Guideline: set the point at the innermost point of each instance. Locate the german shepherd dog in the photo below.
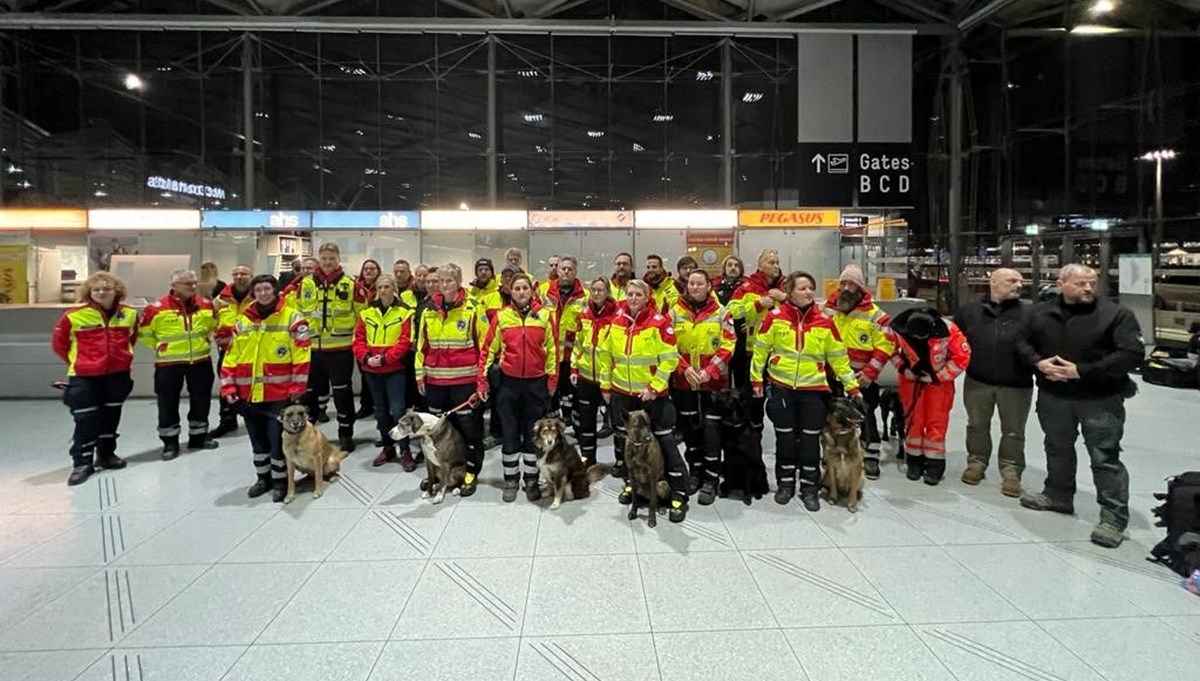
(842, 452)
(306, 448)
(560, 463)
(744, 471)
(644, 459)
(444, 448)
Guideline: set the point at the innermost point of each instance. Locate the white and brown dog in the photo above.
(444, 448)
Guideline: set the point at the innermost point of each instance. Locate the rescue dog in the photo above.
(891, 414)
(444, 448)
(744, 470)
(644, 460)
(842, 452)
(560, 463)
(306, 448)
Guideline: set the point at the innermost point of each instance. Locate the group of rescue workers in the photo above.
(592, 352)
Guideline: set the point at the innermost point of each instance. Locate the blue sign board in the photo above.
(365, 219)
(256, 219)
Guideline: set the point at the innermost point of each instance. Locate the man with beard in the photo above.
(564, 298)
(998, 377)
(733, 272)
(864, 328)
(230, 303)
(761, 293)
(622, 273)
(485, 282)
(288, 277)
(683, 269)
(662, 289)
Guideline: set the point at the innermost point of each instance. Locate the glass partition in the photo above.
(594, 248)
(228, 249)
(385, 247)
(439, 248)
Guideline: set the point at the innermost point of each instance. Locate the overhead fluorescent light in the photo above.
(134, 219)
(678, 219)
(470, 220)
(1095, 29)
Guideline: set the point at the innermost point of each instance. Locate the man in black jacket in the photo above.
(998, 377)
(1084, 348)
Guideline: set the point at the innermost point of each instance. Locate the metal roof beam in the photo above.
(916, 10)
(983, 14)
(803, 8)
(696, 10)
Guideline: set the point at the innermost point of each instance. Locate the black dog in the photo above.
(891, 413)
(744, 470)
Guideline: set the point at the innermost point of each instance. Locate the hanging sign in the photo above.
(558, 219)
(365, 219)
(790, 219)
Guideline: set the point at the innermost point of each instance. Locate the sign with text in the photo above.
(255, 219)
(876, 175)
(365, 219)
(789, 219)
(177, 186)
(710, 247)
(557, 219)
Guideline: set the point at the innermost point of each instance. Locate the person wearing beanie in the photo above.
(485, 280)
(864, 328)
(930, 353)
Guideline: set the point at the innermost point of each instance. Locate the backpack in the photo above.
(1180, 514)
(1171, 369)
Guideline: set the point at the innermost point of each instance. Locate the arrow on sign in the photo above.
(817, 160)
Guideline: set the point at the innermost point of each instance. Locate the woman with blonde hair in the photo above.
(95, 338)
(588, 360)
(382, 337)
(210, 284)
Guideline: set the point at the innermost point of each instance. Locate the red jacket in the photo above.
(93, 342)
(380, 332)
(524, 343)
(949, 351)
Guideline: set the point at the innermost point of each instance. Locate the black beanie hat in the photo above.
(484, 261)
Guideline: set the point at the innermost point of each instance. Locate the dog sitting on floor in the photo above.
(744, 470)
(560, 463)
(445, 452)
(842, 452)
(306, 448)
(644, 460)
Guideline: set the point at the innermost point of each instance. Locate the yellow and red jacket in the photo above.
(665, 294)
(800, 343)
(480, 293)
(229, 308)
(524, 345)
(616, 288)
(641, 353)
(490, 303)
(93, 342)
(268, 359)
(451, 337)
(866, 332)
(949, 351)
(566, 313)
(178, 332)
(331, 302)
(383, 332)
(705, 340)
(746, 304)
(590, 357)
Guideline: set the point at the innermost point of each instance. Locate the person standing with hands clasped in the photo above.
(793, 344)
(1084, 348)
(382, 338)
(588, 359)
(522, 339)
(640, 346)
(265, 368)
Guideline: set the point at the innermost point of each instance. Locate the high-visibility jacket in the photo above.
(522, 343)
(616, 289)
(590, 357)
(93, 342)
(331, 302)
(178, 333)
(705, 340)
(479, 293)
(641, 352)
(949, 351)
(665, 294)
(268, 359)
(566, 313)
(452, 333)
(746, 304)
(866, 332)
(383, 332)
(491, 303)
(795, 346)
(229, 308)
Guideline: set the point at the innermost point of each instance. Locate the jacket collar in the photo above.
(554, 290)
(322, 279)
(759, 280)
(439, 300)
(607, 310)
(864, 305)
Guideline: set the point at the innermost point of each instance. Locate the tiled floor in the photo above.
(166, 571)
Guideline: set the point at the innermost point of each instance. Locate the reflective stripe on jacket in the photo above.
(176, 334)
(331, 304)
(589, 357)
(665, 294)
(523, 344)
(451, 336)
(93, 343)
(641, 352)
(268, 358)
(745, 304)
(566, 313)
(228, 310)
(866, 332)
(383, 332)
(795, 346)
(705, 340)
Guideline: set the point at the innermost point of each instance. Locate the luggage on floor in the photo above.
(1172, 369)
(1180, 514)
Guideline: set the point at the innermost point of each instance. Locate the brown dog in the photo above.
(305, 448)
(445, 452)
(644, 458)
(842, 453)
(560, 463)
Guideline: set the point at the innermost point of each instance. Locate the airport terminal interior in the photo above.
(963, 190)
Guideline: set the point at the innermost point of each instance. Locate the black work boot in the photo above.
(934, 470)
(170, 448)
(106, 456)
(809, 497)
(202, 442)
(533, 491)
(346, 442)
(260, 487)
(626, 496)
(708, 493)
(677, 511)
(278, 491)
(784, 493)
(618, 469)
(915, 466)
(80, 473)
(224, 428)
(871, 468)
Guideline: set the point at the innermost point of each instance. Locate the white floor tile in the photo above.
(1004, 651)
(719, 580)
(818, 588)
(176, 664)
(1128, 649)
(467, 598)
(585, 595)
(447, 660)
(60, 664)
(702, 655)
(891, 653)
(307, 662)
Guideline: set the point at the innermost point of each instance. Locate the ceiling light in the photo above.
(100, 193)
(1032, 230)
(1099, 225)
(163, 69)
(1094, 29)
(1102, 7)
(474, 135)
(539, 149)
(534, 118)
(13, 169)
(594, 134)
(360, 133)
(132, 82)
(528, 73)
(329, 147)
(1159, 155)
(638, 147)
(704, 75)
(752, 97)
(663, 118)
(464, 206)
